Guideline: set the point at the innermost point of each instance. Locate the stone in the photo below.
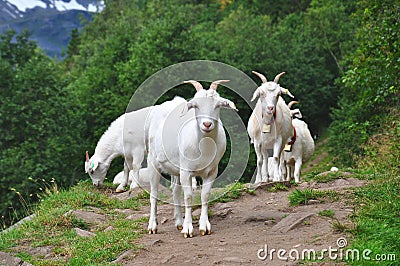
(291, 221)
(8, 260)
(123, 255)
(84, 233)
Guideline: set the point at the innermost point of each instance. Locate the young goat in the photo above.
(187, 139)
(269, 126)
(125, 137)
(302, 149)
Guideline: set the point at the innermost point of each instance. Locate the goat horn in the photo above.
(261, 76)
(214, 85)
(291, 103)
(196, 84)
(279, 76)
(87, 156)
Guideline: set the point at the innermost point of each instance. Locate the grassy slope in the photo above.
(52, 227)
(378, 216)
(377, 220)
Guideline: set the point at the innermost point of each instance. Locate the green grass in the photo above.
(327, 213)
(378, 218)
(51, 227)
(278, 187)
(302, 197)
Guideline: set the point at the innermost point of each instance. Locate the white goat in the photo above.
(301, 150)
(124, 137)
(187, 139)
(269, 126)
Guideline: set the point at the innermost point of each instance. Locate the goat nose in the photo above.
(270, 108)
(207, 124)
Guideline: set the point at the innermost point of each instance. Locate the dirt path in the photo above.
(242, 227)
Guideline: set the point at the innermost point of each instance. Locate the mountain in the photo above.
(49, 22)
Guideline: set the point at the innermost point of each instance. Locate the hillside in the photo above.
(86, 225)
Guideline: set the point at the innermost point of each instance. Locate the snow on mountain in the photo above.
(60, 5)
(23, 5)
(49, 22)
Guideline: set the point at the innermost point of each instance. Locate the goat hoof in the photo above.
(186, 235)
(179, 227)
(118, 190)
(205, 232)
(152, 231)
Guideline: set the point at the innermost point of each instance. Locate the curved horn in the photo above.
(196, 84)
(214, 85)
(276, 79)
(87, 156)
(261, 76)
(291, 103)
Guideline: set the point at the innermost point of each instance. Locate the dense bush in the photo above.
(370, 87)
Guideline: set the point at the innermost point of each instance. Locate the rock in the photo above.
(88, 216)
(196, 212)
(222, 209)
(153, 242)
(109, 228)
(264, 217)
(291, 221)
(84, 233)
(137, 216)
(123, 255)
(8, 260)
(24, 220)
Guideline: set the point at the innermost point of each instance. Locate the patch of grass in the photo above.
(339, 227)
(278, 187)
(327, 213)
(378, 217)
(52, 227)
(229, 193)
(302, 197)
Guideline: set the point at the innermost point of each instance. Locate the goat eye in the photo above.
(91, 171)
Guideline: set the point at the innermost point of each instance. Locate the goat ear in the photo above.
(255, 94)
(287, 92)
(225, 103)
(186, 107)
(86, 167)
(296, 113)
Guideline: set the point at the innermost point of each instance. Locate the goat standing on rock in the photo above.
(186, 139)
(269, 126)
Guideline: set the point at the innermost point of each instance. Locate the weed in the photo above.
(327, 213)
(278, 187)
(302, 197)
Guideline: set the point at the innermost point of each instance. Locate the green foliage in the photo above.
(35, 115)
(371, 85)
(302, 197)
(54, 226)
(327, 213)
(278, 187)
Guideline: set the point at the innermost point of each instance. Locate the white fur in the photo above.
(125, 137)
(302, 149)
(184, 144)
(269, 102)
